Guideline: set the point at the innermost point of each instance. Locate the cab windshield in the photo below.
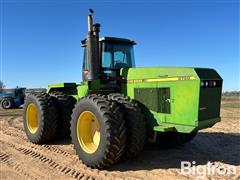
(117, 55)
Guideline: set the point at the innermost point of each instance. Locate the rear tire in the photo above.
(7, 103)
(64, 105)
(135, 123)
(98, 131)
(39, 118)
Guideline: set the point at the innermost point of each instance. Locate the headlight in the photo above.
(214, 83)
(209, 83)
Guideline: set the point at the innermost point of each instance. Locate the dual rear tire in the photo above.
(99, 129)
(64, 105)
(47, 116)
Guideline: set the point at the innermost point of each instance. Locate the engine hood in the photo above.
(158, 73)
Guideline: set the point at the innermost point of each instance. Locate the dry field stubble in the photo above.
(20, 159)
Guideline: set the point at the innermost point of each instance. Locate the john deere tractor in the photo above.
(118, 107)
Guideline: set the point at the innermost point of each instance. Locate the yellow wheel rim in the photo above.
(88, 132)
(32, 118)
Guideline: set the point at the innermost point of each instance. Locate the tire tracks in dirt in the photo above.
(69, 165)
(18, 133)
(42, 158)
(10, 162)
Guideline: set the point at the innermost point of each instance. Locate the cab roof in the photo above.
(112, 39)
(117, 39)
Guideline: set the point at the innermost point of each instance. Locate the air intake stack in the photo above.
(93, 48)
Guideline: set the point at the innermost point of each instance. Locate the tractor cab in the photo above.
(114, 54)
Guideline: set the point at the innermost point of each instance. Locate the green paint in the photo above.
(156, 72)
(183, 95)
(171, 98)
(67, 88)
(183, 99)
(61, 85)
(82, 89)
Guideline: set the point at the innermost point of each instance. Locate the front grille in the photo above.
(210, 93)
(209, 103)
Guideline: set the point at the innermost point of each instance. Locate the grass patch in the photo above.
(231, 105)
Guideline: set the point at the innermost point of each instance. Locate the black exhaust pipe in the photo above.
(93, 48)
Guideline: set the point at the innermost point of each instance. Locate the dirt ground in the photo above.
(21, 159)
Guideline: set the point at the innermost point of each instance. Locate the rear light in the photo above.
(206, 84)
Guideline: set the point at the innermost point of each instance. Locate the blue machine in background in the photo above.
(12, 98)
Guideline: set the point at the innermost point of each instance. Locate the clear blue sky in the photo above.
(40, 39)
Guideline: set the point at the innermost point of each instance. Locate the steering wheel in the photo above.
(119, 63)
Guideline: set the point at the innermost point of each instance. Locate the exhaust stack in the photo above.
(93, 48)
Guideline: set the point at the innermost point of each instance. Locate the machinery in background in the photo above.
(12, 98)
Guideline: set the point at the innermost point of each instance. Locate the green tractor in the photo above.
(118, 107)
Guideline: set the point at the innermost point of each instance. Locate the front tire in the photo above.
(39, 118)
(98, 131)
(135, 123)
